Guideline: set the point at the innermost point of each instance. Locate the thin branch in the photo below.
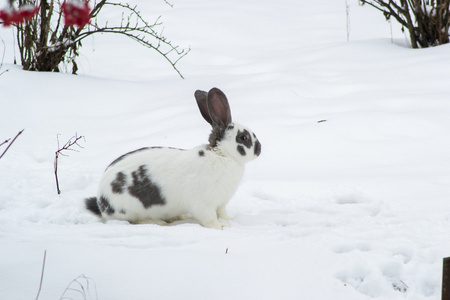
(373, 5)
(97, 8)
(141, 40)
(401, 14)
(71, 142)
(6, 141)
(67, 147)
(139, 31)
(10, 144)
(84, 288)
(55, 31)
(168, 3)
(42, 275)
(3, 57)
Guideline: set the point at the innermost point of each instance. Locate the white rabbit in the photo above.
(159, 184)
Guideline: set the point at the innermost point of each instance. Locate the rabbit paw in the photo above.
(222, 213)
(209, 220)
(217, 225)
(151, 221)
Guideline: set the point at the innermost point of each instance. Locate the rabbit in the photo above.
(162, 184)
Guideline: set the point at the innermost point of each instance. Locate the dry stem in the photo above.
(67, 146)
(6, 141)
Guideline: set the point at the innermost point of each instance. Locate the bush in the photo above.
(50, 32)
(426, 20)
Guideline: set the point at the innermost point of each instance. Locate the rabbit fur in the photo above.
(162, 184)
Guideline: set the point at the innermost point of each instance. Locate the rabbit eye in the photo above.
(244, 138)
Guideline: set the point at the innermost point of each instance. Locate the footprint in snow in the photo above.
(372, 271)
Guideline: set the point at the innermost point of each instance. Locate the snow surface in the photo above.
(353, 207)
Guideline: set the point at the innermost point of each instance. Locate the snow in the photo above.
(348, 200)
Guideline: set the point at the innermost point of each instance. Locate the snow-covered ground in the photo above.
(348, 200)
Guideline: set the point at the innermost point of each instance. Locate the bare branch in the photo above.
(140, 31)
(6, 141)
(3, 58)
(73, 141)
(81, 285)
(17, 135)
(97, 8)
(168, 3)
(42, 275)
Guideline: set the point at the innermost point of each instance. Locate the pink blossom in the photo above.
(76, 12)
(11, 16)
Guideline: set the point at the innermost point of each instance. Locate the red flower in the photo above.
(5, 17)
(28, 11)
(76, 12)
(15, 16)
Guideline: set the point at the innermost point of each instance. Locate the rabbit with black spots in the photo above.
(161, 184)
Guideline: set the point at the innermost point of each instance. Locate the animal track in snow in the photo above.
(371, 270)
(372, 277)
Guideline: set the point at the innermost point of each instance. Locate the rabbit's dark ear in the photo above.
(219, 109)
(201, 97)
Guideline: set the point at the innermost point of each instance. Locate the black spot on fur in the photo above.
(257, 148)
(201, 153)
(244, 138)
(241, 150)
(144, 189)
(125, 155)
(105, 206)
(136, 151)
(92, 206)
(173, 148)
(216, 136)
(122, 211)
(118, 184)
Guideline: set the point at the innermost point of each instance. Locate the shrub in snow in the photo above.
(426, 20)
(49, 33)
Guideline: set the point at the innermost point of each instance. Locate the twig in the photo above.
(6, 141)
(140, 31)
(42, 275)
(3, 58)
(10, 144)
(168, 3)
(71, 142)
(347, 14)
(84, 288)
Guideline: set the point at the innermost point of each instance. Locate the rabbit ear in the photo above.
(218, 108)
(201, 97)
